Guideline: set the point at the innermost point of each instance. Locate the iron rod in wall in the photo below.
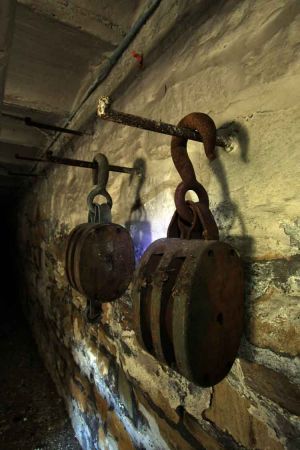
(45, 126)
(106, 113)
(77, 163)
(20, 174)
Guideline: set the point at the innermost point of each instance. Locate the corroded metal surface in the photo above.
(188, 292)
(105, 112)
(188, 306)
(206, 128)
(188, 211)
(192, 220)
(202, 224)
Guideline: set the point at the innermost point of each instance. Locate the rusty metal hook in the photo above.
(207, 129)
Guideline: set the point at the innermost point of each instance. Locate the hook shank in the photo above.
(207, 129)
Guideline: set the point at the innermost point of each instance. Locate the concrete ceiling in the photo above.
(57, 50)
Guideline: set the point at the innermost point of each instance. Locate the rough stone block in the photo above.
(101, 338)
(125, 392)
(168, 431)
(83, 381)
(273, 385)
(80, 389)
(160, 399)
(207, 441)
(116, 429)
(79, 395)
(102, 438)
(274, 323)
(79, 325)
(101, 405)
(231, 413)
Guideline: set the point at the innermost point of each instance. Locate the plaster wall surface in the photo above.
(238, 62)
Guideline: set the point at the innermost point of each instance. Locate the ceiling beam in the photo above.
(16, 132)
(7, 18)
(8, 151)
(81, 15)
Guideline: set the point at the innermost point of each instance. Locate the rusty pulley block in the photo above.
(188, 289)
(99, 255)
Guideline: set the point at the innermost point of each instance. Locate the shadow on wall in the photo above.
(137, 224)
(227, 212)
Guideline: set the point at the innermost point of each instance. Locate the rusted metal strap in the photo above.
(106, 113)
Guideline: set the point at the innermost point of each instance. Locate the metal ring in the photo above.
(181, 205)
(98, 191)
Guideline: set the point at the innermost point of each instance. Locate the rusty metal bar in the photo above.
(20, 174)
(45, 126)
(106, 113)
(77, 163)
(70, 162)
(29, 158)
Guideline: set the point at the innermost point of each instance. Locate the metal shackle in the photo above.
(101, 180)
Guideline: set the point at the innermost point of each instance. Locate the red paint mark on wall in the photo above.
(139, 58)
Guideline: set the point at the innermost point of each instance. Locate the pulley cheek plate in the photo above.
(207, 329)
(188, 306)
(70, 251)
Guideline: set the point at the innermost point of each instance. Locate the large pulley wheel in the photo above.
(188, 306)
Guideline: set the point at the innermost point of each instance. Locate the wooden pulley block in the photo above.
(188, 306)
(100, 255)
(100, 260)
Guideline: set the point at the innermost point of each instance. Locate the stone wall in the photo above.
(239, 62)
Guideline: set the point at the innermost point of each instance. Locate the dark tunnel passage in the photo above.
(32, 415)
(9, 285)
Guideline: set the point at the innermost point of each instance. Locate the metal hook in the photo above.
(205, 126)
(101, 179)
